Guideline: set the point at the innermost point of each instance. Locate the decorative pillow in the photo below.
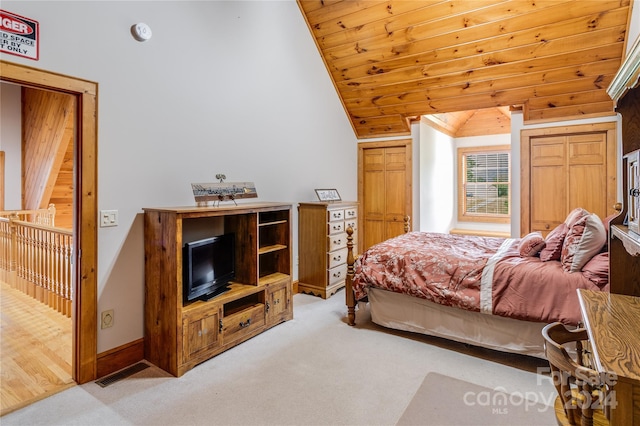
(531, 244)
(597, 269)
(584, 240)
(553, 243)
(575, 215)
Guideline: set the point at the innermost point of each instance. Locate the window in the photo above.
(484, 186)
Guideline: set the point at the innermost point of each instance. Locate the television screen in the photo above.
(209, 265)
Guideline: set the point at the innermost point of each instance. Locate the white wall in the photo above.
(234, 87)
(437, 180)
(634, 25)
(438, 164)
(11, 143)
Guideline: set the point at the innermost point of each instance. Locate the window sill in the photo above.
(480, 233)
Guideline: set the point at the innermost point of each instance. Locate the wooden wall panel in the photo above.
(48, 131)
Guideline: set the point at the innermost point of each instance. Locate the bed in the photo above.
(496, 293)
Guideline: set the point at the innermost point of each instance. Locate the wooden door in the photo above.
(384, 190)
(564, 168)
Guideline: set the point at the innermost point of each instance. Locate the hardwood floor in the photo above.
(36, 350)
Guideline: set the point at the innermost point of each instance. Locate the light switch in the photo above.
(108, 218)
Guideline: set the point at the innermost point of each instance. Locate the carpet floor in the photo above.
(316, 370)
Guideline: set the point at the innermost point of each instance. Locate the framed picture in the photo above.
(328, 195)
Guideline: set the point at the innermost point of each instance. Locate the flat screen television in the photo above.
(208, 266)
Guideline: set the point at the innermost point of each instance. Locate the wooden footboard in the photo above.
(351, 259)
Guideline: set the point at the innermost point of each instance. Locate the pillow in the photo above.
(597, 269)
(584, 240)
(575, 215)
(531, 244)
(553, 243)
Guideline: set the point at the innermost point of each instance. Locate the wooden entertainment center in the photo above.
(179, 335)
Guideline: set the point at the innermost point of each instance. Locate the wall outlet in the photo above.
(106, 319)
(108, 218)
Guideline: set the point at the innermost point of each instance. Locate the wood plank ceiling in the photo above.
(392, 61)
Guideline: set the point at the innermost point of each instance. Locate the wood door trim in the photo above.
(408, 145)
(2, 180)
(84, 317)
(527, 135)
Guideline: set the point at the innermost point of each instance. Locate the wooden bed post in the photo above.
(348, 286)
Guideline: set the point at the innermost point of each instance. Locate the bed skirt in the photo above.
(407, 313)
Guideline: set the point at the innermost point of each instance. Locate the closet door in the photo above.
(384, 190)
(564, 168)
(548, 192)
(587, 166)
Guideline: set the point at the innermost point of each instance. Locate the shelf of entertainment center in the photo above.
(236, 291)
(271, 248)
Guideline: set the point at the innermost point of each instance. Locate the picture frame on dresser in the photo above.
(328, 195)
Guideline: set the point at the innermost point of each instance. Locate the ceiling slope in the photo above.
(392, 61)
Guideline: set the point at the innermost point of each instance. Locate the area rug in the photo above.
(444, 400)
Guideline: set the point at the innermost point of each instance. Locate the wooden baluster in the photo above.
(350, 296)
(13, 257)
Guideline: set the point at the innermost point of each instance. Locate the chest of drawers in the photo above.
(322, 245)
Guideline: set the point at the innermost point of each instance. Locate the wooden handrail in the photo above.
(40, 216)
(37, 260)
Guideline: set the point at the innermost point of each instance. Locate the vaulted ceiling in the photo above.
(392, 61)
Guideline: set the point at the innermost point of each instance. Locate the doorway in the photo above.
(84, 310)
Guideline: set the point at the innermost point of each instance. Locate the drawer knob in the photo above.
(247, 323)
(634, 192)
(337, 274)
(336, 258)
(546, 226)
(337, 241)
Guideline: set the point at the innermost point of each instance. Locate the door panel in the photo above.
(384, 189)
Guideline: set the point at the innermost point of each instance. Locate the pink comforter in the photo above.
(448, 269)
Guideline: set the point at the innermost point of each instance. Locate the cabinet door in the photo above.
(278, 304)
(201, 334)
